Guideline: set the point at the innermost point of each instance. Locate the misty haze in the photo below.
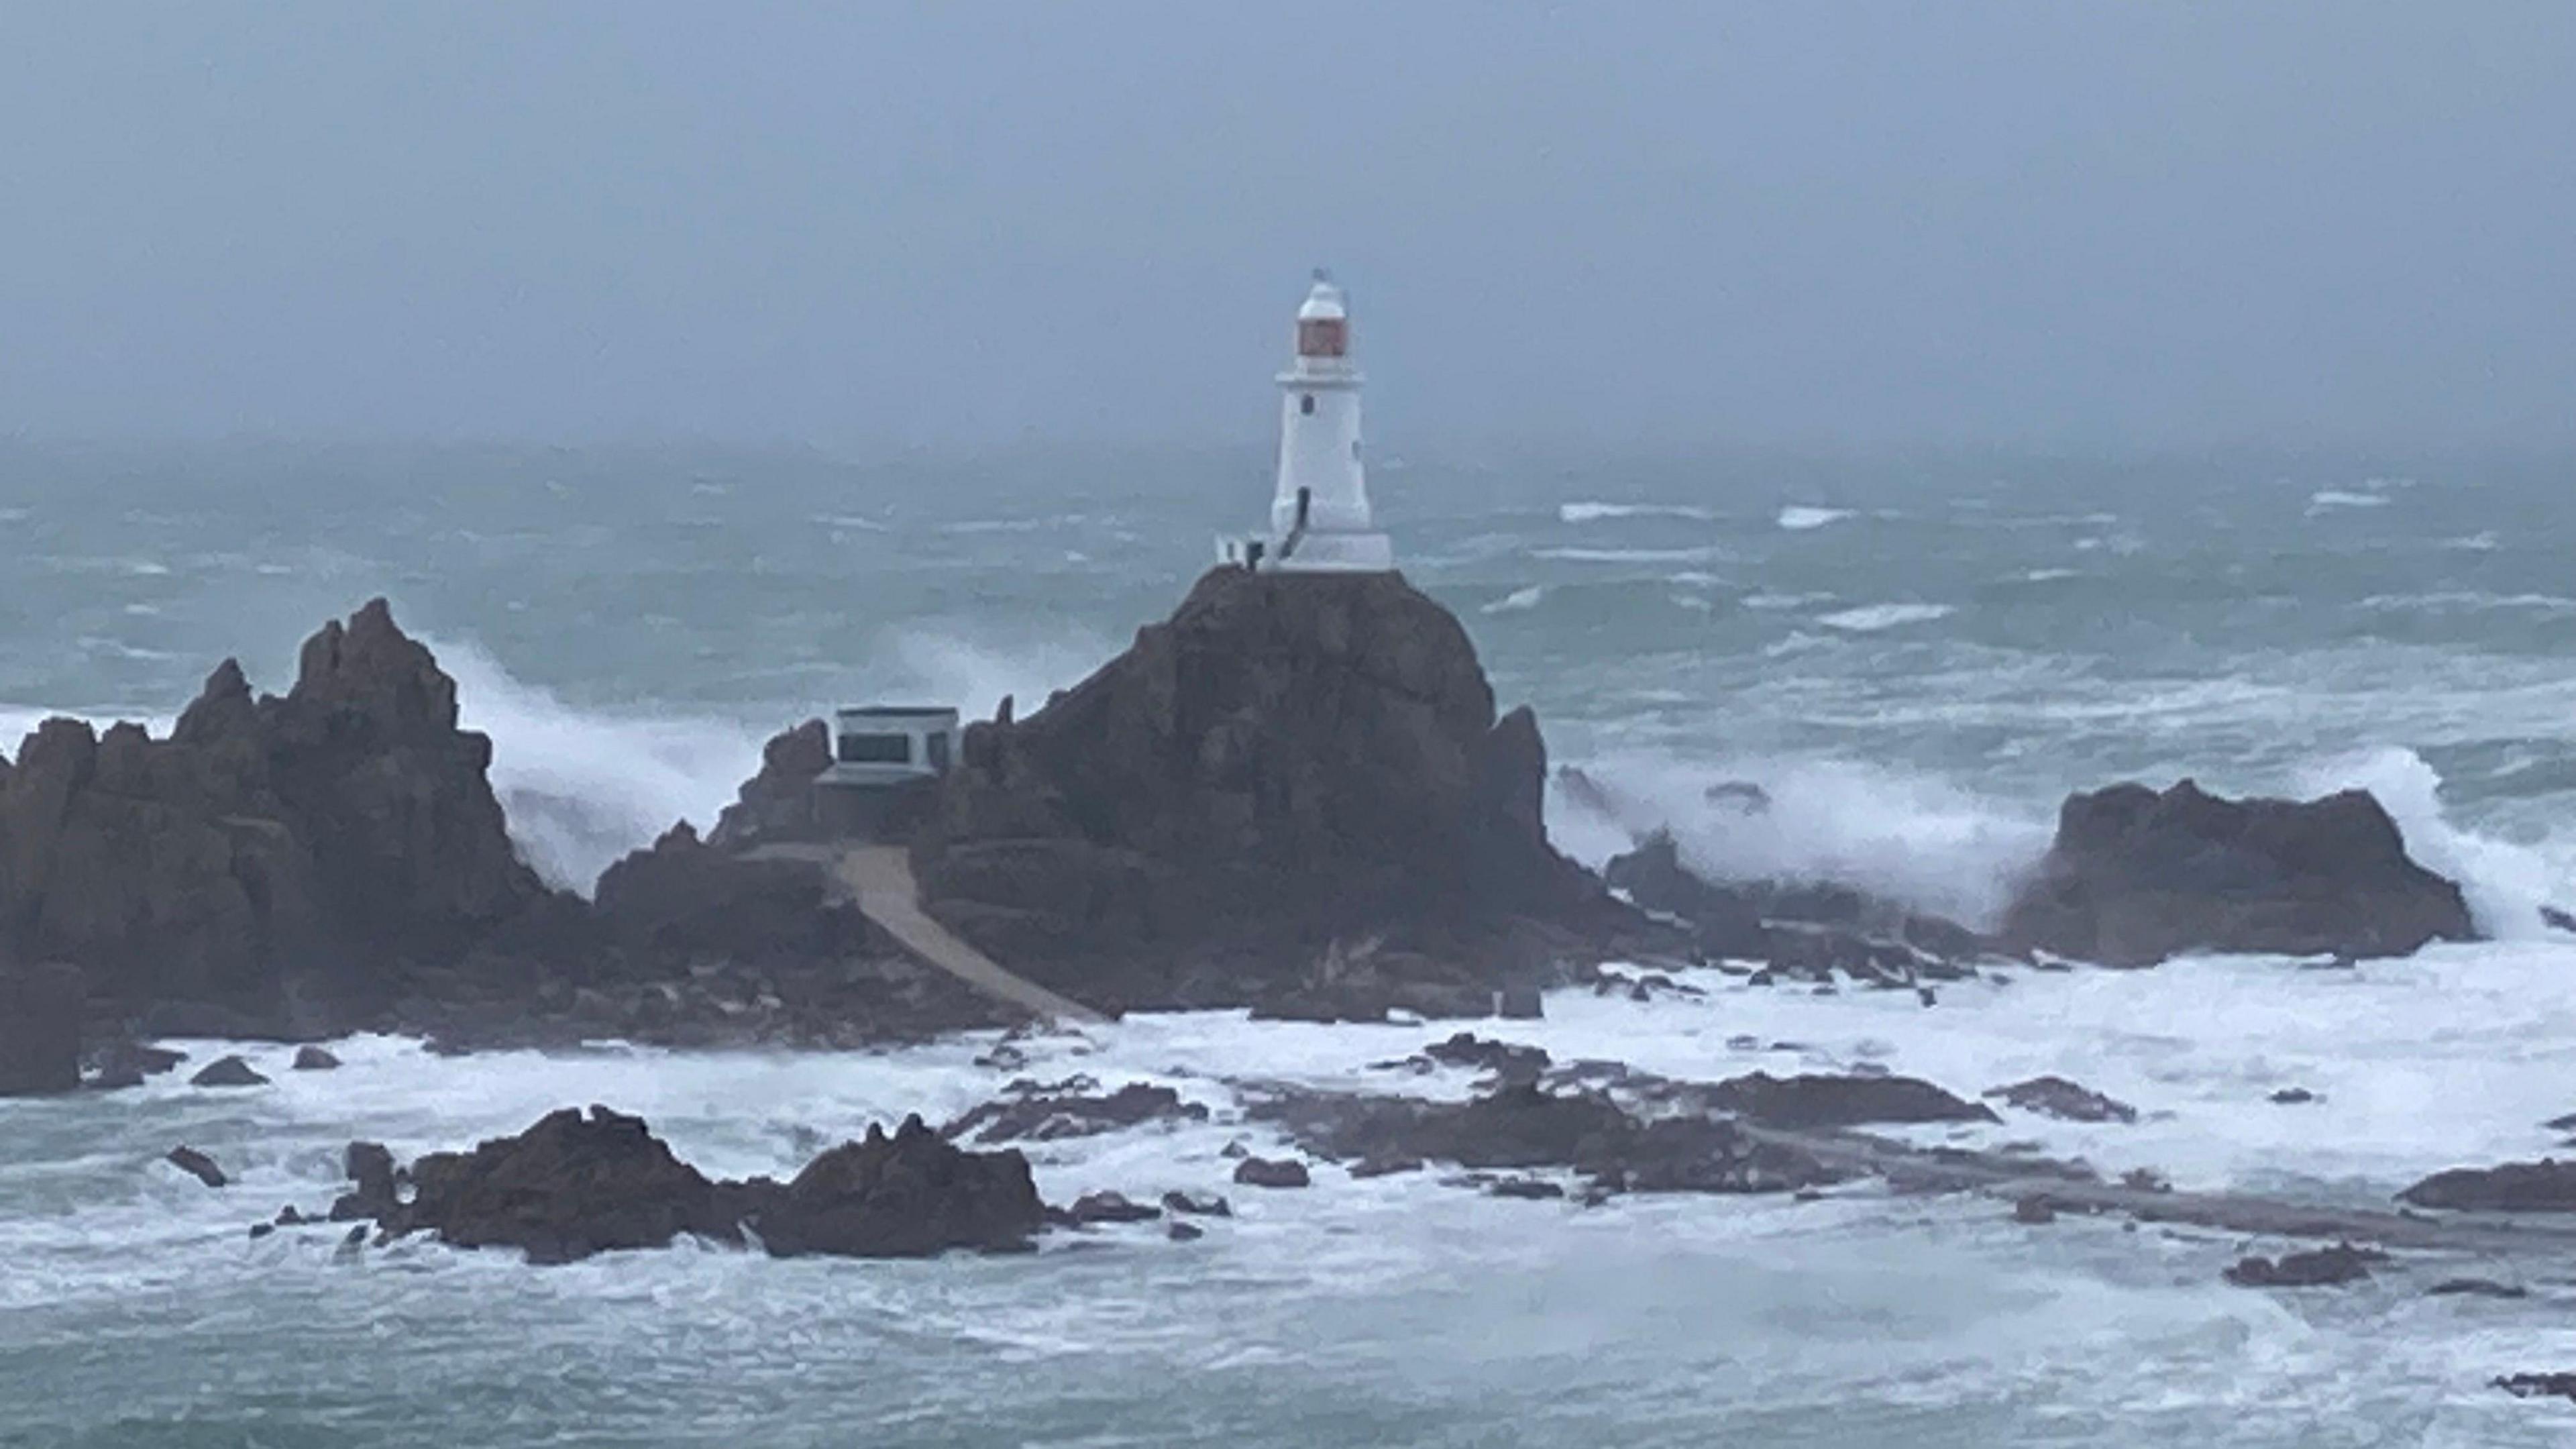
(1153, 724)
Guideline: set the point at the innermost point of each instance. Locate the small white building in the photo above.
(885, 744)
(1319, 514)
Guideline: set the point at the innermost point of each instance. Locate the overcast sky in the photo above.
(843, 224)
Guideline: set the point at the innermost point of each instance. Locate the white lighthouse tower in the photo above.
(1319, 518)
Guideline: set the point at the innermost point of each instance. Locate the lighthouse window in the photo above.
(1306, 404)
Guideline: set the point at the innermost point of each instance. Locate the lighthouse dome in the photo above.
(1323, 304)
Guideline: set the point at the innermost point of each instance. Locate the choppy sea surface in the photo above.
(1917, 661)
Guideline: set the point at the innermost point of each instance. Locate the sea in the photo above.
(1916, 658)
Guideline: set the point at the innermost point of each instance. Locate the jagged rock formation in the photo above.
(1809, 930)
(2546, 1186)
(40, 1030)
(1295, 790)
(573, 1185)
(2135, 877)
(282, 858)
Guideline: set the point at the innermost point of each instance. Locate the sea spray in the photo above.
(583, 787)
(2506, 883)
(1912, 838)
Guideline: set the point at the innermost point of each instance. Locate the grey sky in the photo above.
(2069, 224)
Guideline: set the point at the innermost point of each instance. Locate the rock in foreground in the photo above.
(2546, 1186)
(574, 1185)
(2064, 1100)
(2333, 1267)
(1808, 1101)
(2135, 877)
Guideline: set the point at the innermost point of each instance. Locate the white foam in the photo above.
(1630, 555)
(1870, 618)
(1517, 599)
(2047, 576)
(1911, 838)
(1593, 512)
(973, 668)
(2469, 601)
(1799, 517)
(2328, 499)
(1784, 601)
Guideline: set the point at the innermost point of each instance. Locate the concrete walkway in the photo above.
(879, 878)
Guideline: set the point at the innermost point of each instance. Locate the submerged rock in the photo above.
(2476, 1288)
(197, 1165)
(2546, 1186)
(2331, 1267)
(315, 1059)
(1036, 1113)
(228, 1072)
(2067, 1101)
(910, 1194)
(2135, 877)
(1266, 1172)
(1809, 1101)
(1206, 1205)
(40, 1021)
(2538, 1386)
(1109, 1207)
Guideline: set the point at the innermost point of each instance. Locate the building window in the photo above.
(1306, 404)
(876, 749)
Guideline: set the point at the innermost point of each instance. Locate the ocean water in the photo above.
(1917, 661)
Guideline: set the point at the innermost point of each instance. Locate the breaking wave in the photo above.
(2506, 883)
(1592, 512)
(1870, 618)
(1799, 517)
(1517, 600)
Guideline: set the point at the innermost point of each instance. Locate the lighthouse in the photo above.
(1319, 515)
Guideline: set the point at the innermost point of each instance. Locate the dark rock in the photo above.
(228, 1072)
(1263, 1172)
(779, 803)
(127, 1058)
(282, 859)
(1724, 922)
(290, 1217)
(2068, 1101)
(41, 1008)
(907, 1195)
(566, 1188)
(2477, 1288)
(2538, 1386)
(2320, 1268)
(1293, 794)
(1385, 1166)
(375, 1194)
(2034, 1210)
(2293, 1096)
(1807, 1101)
(2135, 877)
(261, 1230)
(1206, 1205)
(1519, 1003)
(1510, 1060)
(2557, 918)
(1039, 1114)
(2546, 1186)
(314, 1059)
(1526, 1187)
(1109, 1207)
(1180, 1232)
(197, 1165)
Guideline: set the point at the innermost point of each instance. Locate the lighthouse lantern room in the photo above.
(1319, 516)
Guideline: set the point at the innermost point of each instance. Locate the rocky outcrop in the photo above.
(2546, 1186)
(1806, 929)
(285, 858)
(40, 1029)
(2135, 877)
(2064, 1100)
(1520, 1126)
(779, 803)
(1806, 1101)
(1048, 1112)
(2332, 1267)
(1296, 786)
(574, 1185)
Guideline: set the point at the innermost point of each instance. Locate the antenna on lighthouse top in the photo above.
(1323, 274)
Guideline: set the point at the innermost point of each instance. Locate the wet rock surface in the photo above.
(1044, 1112)
(228, 1072)
(1811, 1101)
(197, 1165)
(315, 1059)
(575, 1185)
(2331, 1267)
(2538, 1385)
(2136, 876)
(2067, 1101)
(1273, 1173)
(2546, 1186)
